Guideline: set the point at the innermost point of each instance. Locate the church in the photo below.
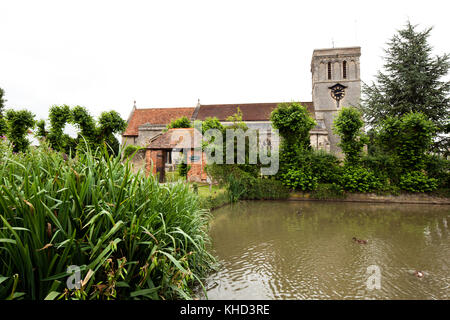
(335, 83)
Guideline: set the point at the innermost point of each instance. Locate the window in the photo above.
(344, 69)
(329, 70)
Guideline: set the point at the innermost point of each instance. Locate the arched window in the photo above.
(344, 69)
(329, 70)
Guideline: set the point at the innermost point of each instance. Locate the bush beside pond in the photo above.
(131, 237)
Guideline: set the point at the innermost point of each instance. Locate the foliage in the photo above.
(408, 138)
(130, 150)
(131, 237)
(438, 168)
(359, 179)
(302, 179)
(90, 133)
(348, 125)
(182, 122)
(325, 166)
(412, 81)
(247, 187)
(294, 124)
(384, 166)
(221, 172)
(59, 116)
(417, 181)
(183, 169)
(326, 191)
(19, 123)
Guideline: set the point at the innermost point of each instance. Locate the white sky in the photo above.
(105, 54)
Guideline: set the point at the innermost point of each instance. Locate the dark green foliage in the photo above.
(438, 168)
(140, 240)
(417, 181)
(413, 80)
(183, 168)
(130, 150)
(86, 124)
(408, 138)
(59, 116)
(348, 125)
(221, 172)
(247, 187)
(358, 179)
(325, 191)
(299, 179)
(182, 122)
(19, 123)
(294, 124)
(325, 166)
(385, 166)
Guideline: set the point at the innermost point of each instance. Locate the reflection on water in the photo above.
(304, 250)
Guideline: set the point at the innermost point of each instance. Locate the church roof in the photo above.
(163, 116)
(250, 111)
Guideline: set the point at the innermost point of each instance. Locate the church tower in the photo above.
(336, 83)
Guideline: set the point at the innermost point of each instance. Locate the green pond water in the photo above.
(304, 250)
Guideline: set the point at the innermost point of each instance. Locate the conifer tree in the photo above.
(412, 81)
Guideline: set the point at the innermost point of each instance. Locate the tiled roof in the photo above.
(250, 111)
(162, 116)
(174, 138)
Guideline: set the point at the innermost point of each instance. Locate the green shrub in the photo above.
(325, 166)
(438, 168)
(130, 150)
(328, 191)
(298, 179)
(417, 181)
(131, 237)
(359, 179)
(384, 166)
(263, 189)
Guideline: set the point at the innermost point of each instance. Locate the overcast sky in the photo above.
(105, 54)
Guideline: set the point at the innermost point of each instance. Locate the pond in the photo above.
(304, 250)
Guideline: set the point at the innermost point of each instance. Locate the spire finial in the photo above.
(134, 106)
(198, 102)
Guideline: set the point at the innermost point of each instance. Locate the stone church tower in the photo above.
(336, 83)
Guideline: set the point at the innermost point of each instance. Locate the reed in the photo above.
(131, 237)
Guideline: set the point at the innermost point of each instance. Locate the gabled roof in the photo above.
(161, 116)
(175, 138)
(250, 111)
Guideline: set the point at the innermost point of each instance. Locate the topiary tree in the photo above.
(59, 116)
(111, 123)
(294, 124)
(348, 125)
(18, 125)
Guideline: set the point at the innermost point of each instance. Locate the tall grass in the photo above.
(131, 237)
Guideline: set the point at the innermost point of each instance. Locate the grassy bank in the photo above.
(131, 237)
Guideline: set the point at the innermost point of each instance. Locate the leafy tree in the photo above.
(408, 138)
(348, 125)
(86, 124)
(294, 124)
(182, 122)
(59, 116)
(19, 123)
(412, 81)
(111, 123)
